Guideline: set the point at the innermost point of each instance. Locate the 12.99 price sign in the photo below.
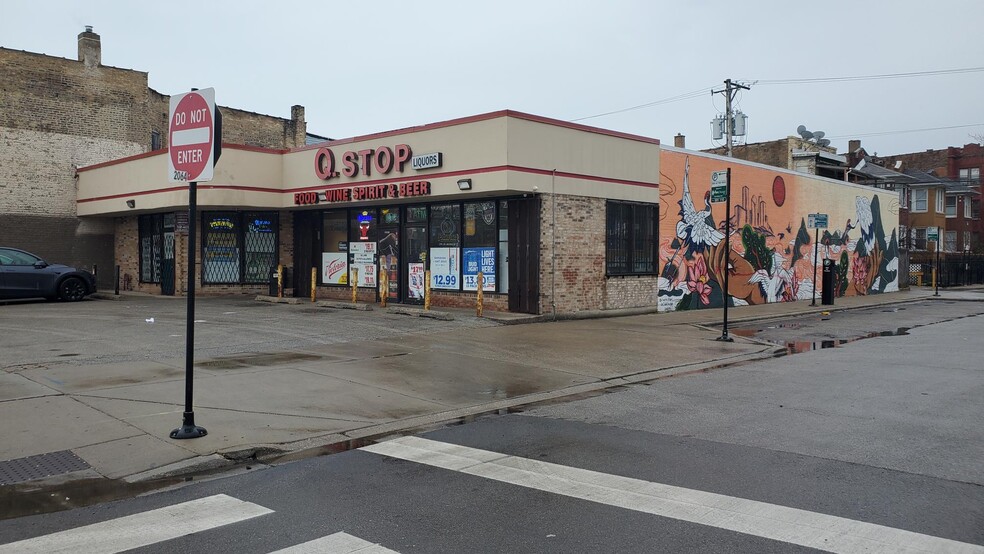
(445, 266)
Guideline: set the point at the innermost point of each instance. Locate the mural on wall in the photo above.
(772, 250)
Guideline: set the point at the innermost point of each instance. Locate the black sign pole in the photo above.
(188, 429)
(816, 255)
(727, 259)
(936, 280)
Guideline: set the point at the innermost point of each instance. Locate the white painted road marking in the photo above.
(781, 523)
(338, 543)
(145, 528)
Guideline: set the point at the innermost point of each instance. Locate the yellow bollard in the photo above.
(478, 303)
(427, 290)
(355, 284)
(280, 280)
(934, 278)
(383, 287)
(314, 282)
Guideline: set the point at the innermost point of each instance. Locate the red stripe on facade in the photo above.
(225, 146)
(475, 118)
(179, 188)
(477, 171)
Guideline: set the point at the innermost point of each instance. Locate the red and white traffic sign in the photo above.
(191, 132)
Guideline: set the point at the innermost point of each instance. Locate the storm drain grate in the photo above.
(42, 465)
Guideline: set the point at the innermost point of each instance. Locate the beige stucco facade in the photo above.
(560, 175)
(502, 153)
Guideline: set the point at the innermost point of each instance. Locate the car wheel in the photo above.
(72, 290)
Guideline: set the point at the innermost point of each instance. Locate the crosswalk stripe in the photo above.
(145, 528)
(338, 543)
(751, 517)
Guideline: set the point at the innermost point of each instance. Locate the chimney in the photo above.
(298, 126)
(297, 113)
(90, 50)
(853, 145)
(680, 141)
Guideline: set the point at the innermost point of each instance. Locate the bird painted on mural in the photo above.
(866, 223)
(774, 285)
(696, 228)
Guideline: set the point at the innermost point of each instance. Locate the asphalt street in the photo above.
(872, 445)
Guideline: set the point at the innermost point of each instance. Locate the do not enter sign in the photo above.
(191, 132)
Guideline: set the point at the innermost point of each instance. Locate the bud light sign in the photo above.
(475, 260)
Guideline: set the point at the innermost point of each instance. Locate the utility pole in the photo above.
(730, 91)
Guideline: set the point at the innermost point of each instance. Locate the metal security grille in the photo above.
(239, 247)
(42, 465)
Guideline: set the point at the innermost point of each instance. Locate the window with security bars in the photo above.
(151, 241)
(239, 247)
(630, 238)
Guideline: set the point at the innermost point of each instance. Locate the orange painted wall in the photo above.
(772, 250)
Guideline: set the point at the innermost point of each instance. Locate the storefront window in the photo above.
(150, 248)
(631, 239)
(220, 248)
(363, 225)
(480, 224)
(445, 242)
(238, 248)
(260, 246)
(334, 248)
(445, 225)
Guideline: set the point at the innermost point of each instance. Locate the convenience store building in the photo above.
(558, 217)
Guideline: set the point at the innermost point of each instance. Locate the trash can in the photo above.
(273, 282)
(827, 290)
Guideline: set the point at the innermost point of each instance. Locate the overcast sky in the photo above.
(364, 67)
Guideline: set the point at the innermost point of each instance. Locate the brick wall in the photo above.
(572, 260)
(58, 114)
(776, 153)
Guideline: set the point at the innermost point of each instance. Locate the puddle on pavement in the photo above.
(798, 347)
(257, 360)
(31, 498)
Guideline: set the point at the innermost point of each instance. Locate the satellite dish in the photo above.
(804, 133)
(823, 142)
(818, 134)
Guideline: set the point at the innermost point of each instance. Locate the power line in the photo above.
(680, 97)
(868, 77)
(882, 133)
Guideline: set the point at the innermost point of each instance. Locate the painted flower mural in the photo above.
(768, 262)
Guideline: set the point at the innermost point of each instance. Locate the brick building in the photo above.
(795, 153)
(59, 114)
(946, 183)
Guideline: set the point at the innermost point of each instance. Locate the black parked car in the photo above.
(24, 275)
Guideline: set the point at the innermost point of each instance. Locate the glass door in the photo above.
(389, 252)
(415, 254)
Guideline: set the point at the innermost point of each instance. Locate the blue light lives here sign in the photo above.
(475, 260)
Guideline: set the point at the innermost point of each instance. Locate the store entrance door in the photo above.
(414, 254)
(388, 250)
(524, 255)
(307, 244)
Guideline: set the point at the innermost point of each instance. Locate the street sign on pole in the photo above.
(191, 136)
(816, 221)
(719, 186)
(933, 234)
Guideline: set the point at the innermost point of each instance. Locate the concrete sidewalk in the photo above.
(278, 405)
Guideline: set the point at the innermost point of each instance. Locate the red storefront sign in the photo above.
(365, 192)
(382, 160)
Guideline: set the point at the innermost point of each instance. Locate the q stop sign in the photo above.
(191, 136)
